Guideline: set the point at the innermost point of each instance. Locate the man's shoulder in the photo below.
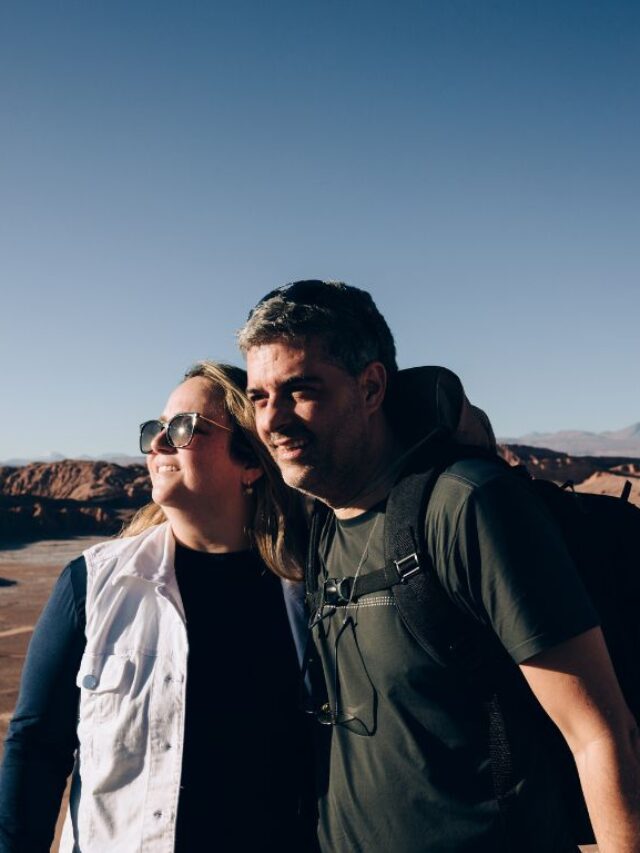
(473, 473)
(478, 485)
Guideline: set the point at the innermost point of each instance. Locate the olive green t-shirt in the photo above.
(409, 767)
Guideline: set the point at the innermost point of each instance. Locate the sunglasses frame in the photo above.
(195, 416)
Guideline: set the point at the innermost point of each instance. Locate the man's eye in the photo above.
(304, 394)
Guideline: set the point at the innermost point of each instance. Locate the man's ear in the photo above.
(373, 382)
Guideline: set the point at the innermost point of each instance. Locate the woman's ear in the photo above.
(251, 474)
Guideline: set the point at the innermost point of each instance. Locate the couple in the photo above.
(410, 765)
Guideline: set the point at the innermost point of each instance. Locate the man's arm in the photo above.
(576, 685)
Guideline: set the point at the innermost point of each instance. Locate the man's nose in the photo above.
(274, 414)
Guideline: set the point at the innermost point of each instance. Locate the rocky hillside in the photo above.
(76, 497)
(69, 498)
(605, 475)
(98, 482)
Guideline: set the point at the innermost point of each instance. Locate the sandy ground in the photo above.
(35, 568)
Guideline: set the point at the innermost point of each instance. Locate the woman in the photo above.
(174, 641)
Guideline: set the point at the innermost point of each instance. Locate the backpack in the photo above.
(602, 535)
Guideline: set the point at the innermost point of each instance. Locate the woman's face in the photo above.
(192, 478)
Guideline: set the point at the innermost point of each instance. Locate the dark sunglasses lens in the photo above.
(180, 430)
(148, 431)
(325, 716)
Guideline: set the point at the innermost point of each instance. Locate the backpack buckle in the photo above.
(337, 591)
(407, 567)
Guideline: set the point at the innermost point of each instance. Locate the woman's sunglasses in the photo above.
(179, 430)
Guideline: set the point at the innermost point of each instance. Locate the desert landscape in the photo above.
(50, 512)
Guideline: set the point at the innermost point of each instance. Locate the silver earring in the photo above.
(247, 488)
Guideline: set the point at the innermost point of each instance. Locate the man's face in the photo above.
(312, 416)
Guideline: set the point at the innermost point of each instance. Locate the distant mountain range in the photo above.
(622, 442)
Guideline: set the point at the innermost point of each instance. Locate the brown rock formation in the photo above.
(69, 498)
(74, 497)
(98, 482)
(603, 475)
(609, 483)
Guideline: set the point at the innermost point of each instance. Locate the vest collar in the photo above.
(149, 556)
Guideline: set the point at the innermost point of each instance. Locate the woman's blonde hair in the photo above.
(278, 524)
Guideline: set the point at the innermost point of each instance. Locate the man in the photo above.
(411, 764)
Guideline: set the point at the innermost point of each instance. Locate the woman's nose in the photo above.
(159, 443)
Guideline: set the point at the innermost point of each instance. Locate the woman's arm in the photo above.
(40, 745)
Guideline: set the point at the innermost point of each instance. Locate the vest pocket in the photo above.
(113, 728)
(102, 680)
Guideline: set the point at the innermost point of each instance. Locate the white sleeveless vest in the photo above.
(126, 779)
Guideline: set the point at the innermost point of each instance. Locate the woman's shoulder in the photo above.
(124, 547)
(77, 572)
(70, 591)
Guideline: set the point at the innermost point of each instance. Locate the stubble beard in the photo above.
(324, 479)
(335, 463)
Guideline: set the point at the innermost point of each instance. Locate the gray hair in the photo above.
(344, 318)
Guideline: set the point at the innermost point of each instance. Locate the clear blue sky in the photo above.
(475, 165)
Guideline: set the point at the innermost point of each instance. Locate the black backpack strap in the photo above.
(345, 590)
(403, 560)
(320, 517)
(428, 613)
(313, 693)
(441, 628)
